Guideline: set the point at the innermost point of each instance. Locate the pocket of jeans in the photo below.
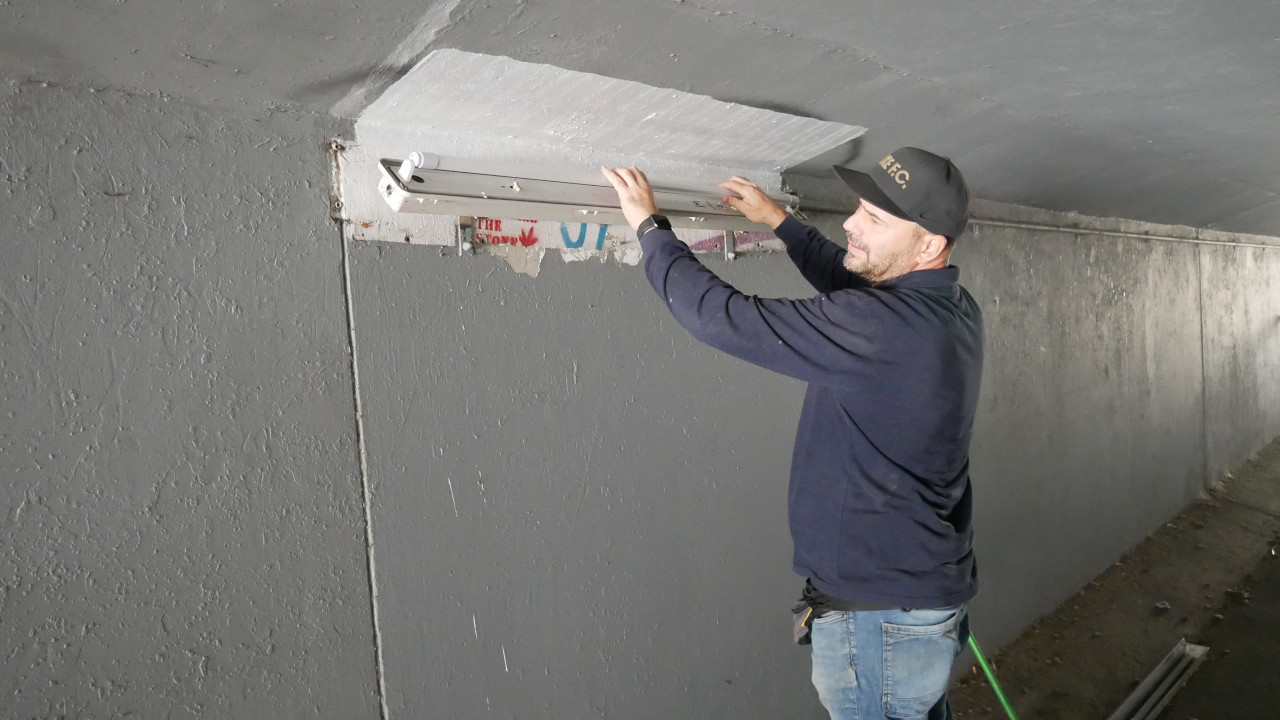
(917, 663)
(830, 616)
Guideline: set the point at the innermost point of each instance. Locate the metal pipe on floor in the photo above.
(1158, 688)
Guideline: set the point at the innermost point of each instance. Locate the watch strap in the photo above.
(653, 221)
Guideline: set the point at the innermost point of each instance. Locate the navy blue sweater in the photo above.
(880, 503)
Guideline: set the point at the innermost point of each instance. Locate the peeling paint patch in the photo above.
(524, 260)
(523, 243)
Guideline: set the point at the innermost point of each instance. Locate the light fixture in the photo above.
(431, 184)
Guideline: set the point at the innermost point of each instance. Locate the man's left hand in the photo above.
(752, 202)
(634, 193)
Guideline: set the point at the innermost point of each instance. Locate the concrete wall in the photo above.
(577, 511)
(181, 520)
(596, 503)
(1241, 299)
(1091, 430)
(1123, 376)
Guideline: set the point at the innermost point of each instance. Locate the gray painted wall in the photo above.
(181, 521)
(596, 503)
(619, 545)
(577, 511)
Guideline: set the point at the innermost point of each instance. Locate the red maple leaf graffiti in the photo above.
(528, 238)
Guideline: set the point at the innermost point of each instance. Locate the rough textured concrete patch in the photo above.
(180, 505)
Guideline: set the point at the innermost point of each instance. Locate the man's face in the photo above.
(881, 246)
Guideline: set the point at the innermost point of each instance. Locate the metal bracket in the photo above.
(793, 203)
(430, 184)
(336, 207)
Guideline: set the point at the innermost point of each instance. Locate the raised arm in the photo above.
(794, 337)
(815, 340)
(819, 260)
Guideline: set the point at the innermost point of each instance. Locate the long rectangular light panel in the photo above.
(427, 184)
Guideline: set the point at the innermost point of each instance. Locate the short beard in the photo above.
(866, 267)
(872, 270)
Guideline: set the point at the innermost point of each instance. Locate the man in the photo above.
(879, 501)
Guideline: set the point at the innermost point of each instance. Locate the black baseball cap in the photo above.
(915, 185)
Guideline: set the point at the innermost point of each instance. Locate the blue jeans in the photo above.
(894, 664)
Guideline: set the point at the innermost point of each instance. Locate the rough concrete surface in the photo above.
(587, 495)
(1053, 105)
(1215, 568)
(579, 512)
(1241, 351)
(1090, 432)
(180, 511)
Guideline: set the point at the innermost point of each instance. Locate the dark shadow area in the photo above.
(775, 107)
(820, 165)
(331, 89)
(372, 82)
(816, 183)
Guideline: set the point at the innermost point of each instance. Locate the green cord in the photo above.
(992, 677)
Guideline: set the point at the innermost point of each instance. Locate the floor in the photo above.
(1211, 575)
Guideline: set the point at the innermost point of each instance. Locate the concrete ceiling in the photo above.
(1157, 110)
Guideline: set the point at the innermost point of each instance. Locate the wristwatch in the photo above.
(651, 222)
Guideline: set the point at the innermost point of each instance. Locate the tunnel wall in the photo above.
(575, 510)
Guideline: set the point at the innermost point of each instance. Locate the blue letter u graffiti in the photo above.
(582, 236)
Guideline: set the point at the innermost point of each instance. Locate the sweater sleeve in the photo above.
(819, 260)
(798, 338)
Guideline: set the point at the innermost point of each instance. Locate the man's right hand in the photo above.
(634, 193)
(752, 202)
